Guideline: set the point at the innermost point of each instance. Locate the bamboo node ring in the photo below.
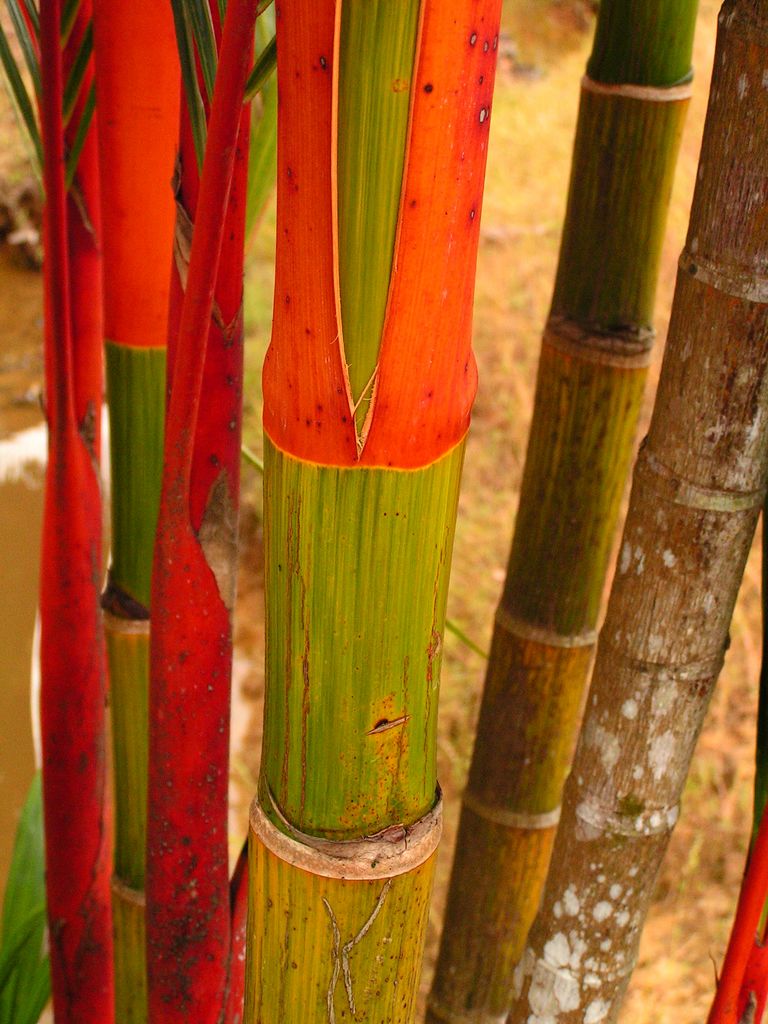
(540, 634)
(735, 281)
(393, 851)
(626, 350)
(648, 93)
(510, 819)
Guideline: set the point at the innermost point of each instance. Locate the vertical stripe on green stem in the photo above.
(357, 565)
(376, 73)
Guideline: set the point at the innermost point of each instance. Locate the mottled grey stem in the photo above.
(697, 491)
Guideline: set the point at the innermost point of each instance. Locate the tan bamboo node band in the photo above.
(649, 93)
(668, 485)
(442, 1012)
(126, 894)
(627, 350)
(539, 634)
(125, 627)
(738, 282)
(600, 819)
(510, 819)
(690, 672)
(394, 851)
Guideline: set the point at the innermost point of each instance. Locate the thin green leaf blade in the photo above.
(20, 97)
(24, 967)
(262, 70)
(24, 39)
(189, 78)
(199, 19)
(80, 136)
(262, 160)
(77, 72)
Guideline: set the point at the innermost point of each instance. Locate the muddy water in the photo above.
(22, 444)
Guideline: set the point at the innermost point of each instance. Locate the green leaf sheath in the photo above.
(136, 390)
(377, 45)
(357, 565)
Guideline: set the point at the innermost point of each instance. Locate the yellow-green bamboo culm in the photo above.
(592, 369)
(136, 387)
(359, 650)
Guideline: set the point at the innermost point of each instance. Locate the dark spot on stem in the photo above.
(429, 87)
(323, 63)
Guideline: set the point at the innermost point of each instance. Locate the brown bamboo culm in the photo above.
(699, 484)
(592, 370)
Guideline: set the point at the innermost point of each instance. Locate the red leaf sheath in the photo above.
(188, 907)
(427, 375)
(77, 829)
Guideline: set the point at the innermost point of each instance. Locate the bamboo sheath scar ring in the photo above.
(649, 93)
(372, 857)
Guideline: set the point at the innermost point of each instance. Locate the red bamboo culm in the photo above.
(77, 826)
(744, 974)
(188, 909)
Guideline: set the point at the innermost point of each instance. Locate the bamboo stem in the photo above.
(188, 914)
(139, 102)
(594, 357)
(352, 503)
(77, 824)
(698, 487)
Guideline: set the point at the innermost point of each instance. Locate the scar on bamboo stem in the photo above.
(341, 953)
(387, 723)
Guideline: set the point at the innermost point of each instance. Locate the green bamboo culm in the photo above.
(334, 558)
(592, 369)
(136, 389)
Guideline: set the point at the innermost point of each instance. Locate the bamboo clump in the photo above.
(698, 487)
(594, 358)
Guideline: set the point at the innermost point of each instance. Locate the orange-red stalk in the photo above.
(188, 907)
(745, 968)
(77, 821)
(427, 375)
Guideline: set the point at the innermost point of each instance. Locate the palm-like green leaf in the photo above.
(20, 18)
(24, 19)
(77, 73)
(265, 64)
(80, 136)
(24, 969)
(185, 43)
(20, 97)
